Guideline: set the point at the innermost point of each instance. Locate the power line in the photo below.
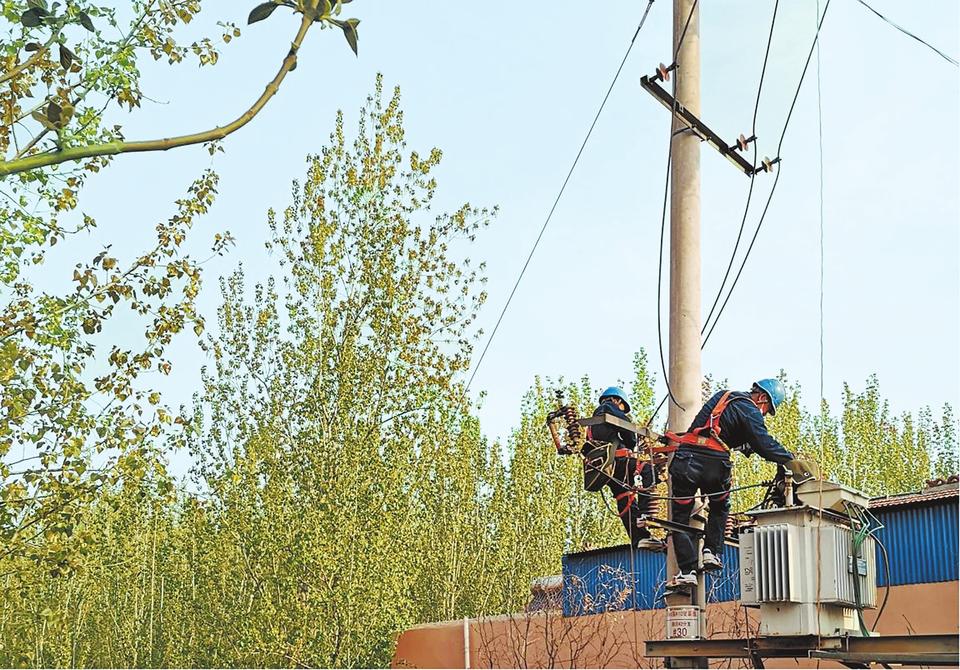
(559, 195)
(663, 217)
(746, 209)
(909, 34)
(820, 145)
(776, 179)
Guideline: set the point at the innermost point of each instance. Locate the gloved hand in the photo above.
(803, 470)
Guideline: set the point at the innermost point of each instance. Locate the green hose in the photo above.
(857, 541)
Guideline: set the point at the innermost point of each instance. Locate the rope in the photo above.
(556, 201)
(820, 491)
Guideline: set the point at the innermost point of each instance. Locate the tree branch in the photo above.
(30, 61)
(119, 147)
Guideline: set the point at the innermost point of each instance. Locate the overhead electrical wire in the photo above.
(820, 146)
(753, 133)
(556, 200)
(663, 217)
(910, 34)
(776, 179)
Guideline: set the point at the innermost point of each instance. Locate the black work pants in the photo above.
(631, 507)
(691, 470)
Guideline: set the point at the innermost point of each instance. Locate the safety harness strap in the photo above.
(630, 495)
(706, 436)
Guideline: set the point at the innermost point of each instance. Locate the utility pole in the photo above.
(684, 366)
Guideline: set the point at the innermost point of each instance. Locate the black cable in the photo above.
(663, 217)
(753, 174)
(736, 246)
(909, 34)
(886, 564)
(560, 194)
(886, 572)
(776, 179)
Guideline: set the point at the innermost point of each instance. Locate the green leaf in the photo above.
(86, 22)
(42, 120)
(38, 4)
(261, 11)
(66, 56)
(32, 46)
(349, 28)
(32, 17)
(53, 112)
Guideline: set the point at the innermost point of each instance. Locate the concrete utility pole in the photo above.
(684, 372)
(685, 375)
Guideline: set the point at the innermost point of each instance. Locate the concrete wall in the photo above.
(615, 640)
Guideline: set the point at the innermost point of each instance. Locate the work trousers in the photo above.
(631, 507)
(691, 470)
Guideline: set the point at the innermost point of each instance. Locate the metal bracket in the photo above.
(639, 431)
(685, 116)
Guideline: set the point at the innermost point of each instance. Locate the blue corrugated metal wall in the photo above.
(599, 581)
(922, 541)
(725, 585)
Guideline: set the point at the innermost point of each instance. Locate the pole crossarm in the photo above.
(639, 431)
(693, 123)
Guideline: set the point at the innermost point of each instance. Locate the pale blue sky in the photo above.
(507, 91)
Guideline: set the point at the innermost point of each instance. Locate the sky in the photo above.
(508, 91)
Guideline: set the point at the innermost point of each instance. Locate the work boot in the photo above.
(711, 561)
(682, 583)
(652, 544)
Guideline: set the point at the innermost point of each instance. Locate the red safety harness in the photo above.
(706, 436)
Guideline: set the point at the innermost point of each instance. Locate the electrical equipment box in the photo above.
(825, 495)
(797, 565)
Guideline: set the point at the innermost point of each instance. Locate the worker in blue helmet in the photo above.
(628, 473)
(729, 420)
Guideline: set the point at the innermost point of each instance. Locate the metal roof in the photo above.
(936, 489)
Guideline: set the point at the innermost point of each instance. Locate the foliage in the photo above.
(76, 88)
(343, 488)
(334, 439)
(75, 414)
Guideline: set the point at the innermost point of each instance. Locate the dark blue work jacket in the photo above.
(607, 433)
(741, 428)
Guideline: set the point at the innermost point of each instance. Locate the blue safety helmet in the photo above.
(774, 390)
(615, 392)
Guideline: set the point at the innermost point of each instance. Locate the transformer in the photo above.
(809, 568)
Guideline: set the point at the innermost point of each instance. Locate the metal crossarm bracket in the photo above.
(639, 431)
(688, 118)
